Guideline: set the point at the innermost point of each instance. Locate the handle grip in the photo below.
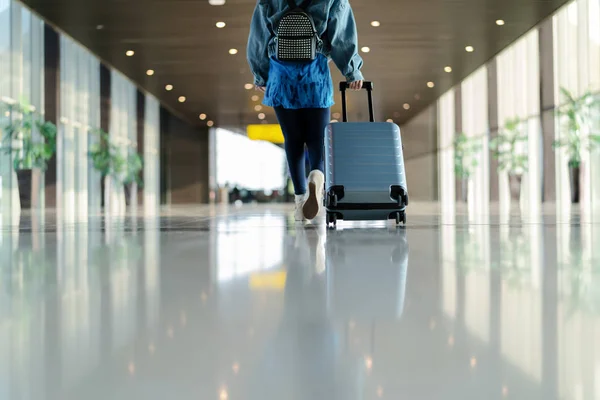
(368, 86)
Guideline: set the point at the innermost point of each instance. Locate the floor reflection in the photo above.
(250, 305)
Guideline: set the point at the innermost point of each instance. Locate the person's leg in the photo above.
(291, 125)
(315, 120)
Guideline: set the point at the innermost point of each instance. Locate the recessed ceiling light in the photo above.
(248, 86)
(336, 115)
(216, 2)
(258, 108)
(366, 49)
(129, 53)
(469, 49)
(233, 51)
(168, 88)
(333, 121)
(406, 106)
(181, 99)
(375, 24)
(261, 116)
(210, 123)
(221, 24)
(150, 72)
(430, 84)
(390, 120)
(202, 116)
(448, 69)
(255, 98)
(99, 27)
(500, 22)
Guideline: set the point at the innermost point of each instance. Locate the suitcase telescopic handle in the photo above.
(368, 86)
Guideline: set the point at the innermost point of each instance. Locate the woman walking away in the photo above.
(288, 51)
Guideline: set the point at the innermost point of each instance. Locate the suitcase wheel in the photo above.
(331, 220)
(400, 217)
(332, 200)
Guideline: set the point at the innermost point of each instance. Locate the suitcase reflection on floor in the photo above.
(366, 273)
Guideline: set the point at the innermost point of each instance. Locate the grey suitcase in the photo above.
(364, 169)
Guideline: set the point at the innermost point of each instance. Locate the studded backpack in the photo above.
(296, 34)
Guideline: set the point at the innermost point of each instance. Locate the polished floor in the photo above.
(209, 303)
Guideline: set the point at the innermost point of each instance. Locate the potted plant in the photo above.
(465, 160)
(133, 178)
(28, 153)
(508, 149)
(114, 163)
(577, 116)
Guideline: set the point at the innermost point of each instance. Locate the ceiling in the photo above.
(178, 39)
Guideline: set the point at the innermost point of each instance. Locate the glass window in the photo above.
(248, 164)
(577, 69)
(446, 133)
(519, 97)
(475, 125)
(78, 183)
(21, 78)
(151, 155)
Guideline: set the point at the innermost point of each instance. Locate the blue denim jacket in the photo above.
(335, 25)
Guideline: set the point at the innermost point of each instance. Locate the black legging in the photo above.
(300, 127)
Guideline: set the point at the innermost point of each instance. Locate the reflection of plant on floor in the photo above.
(515, 262)
(468, 252)
(583, 285)
(28, 270)
(125, 249)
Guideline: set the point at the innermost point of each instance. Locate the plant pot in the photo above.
(131, 190)
(514, 182)
(463, 187)
(575, 180)
(24, 179)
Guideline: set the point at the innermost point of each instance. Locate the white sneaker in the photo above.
(312, 206)
(298, 213)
